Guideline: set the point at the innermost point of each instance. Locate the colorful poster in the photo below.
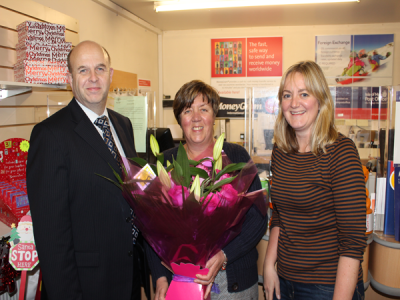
(228, 57)
(362, 60)
(246, 57)
(240, 63)
(13, 156)
(14, 201)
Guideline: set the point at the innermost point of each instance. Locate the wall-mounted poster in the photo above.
(264, 57)
(240, 63)
(228, 57)
(362, 60)
(368, 103)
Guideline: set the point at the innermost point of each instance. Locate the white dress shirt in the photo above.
(93, 116)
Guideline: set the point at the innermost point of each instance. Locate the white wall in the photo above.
(186, 53)
(132, 48)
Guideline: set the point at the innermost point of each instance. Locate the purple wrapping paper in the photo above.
(186, 234)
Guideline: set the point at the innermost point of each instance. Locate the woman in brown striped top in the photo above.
(317, 233)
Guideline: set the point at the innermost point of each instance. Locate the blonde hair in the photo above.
(323, 132)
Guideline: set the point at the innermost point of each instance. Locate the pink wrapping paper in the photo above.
(181, 290)
(186, 234)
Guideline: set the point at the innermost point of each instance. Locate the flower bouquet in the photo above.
(189, 210)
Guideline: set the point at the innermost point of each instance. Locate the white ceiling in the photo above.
(362, 12)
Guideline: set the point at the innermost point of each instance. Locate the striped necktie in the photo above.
(104, 125)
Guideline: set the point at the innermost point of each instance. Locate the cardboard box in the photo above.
(19, 204)
(42, 39)
(51, 56)
(7, 217)
(43, 47)
(33, 25)
(40, 31)
(41, 72)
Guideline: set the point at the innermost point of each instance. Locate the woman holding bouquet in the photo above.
(234, 268)
(317, 233)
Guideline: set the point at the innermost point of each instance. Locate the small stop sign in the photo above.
(23, 256)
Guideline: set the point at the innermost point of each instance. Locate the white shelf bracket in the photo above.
(5, 93)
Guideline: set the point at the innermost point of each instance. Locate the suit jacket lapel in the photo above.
(90, 135)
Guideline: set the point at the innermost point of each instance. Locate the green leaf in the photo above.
(197, 171)
(169, 168)
(196, 162)
(176, 174)
(193, 162)
(183, 162)
(220, 183)
(154, 168)
(160, 158)
(140, 161)
(230, 168)
(119, 183)
(116, 175)
(116, 183)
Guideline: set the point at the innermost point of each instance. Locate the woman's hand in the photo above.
(271, 283)
(214, 264)
(271, 278)
(346, 278)
(161, 288)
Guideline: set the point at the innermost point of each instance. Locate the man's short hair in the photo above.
(69, 58)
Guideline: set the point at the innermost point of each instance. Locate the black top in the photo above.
(241, 252)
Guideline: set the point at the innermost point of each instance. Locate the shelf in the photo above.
(258, 159)
(383, 288)
(370, 238)
(384, 264)
(10, 88)
(386, 240)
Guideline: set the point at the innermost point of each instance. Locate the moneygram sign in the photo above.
(24, 257)
(231, 108)
(235, 108)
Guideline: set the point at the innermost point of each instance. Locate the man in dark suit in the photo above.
(82, 224)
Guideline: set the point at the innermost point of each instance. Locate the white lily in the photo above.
(196, 188)
(163, 175)
(218, 163)
(218, 147)
(154, 145)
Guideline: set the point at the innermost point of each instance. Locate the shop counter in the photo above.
(384, 264)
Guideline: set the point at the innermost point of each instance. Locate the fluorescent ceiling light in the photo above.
(171, 5)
